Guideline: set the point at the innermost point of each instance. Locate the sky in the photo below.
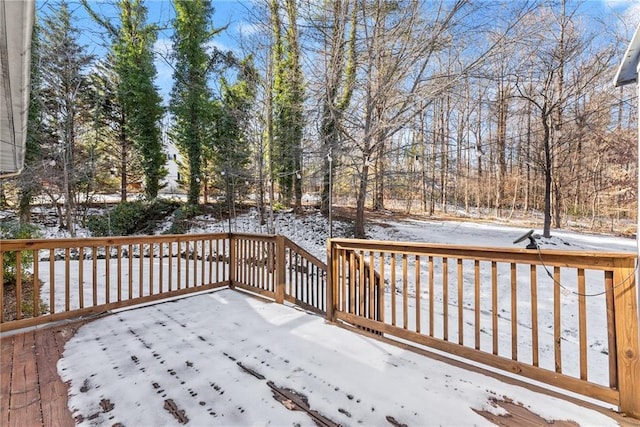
(230, 13)
(235, 15)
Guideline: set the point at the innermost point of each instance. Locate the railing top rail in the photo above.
(27, 244)
(305, 253)
(254, 236)
(585, 259)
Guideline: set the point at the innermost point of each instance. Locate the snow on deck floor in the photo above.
(180, 360)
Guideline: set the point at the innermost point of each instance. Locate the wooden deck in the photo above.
(31, 392)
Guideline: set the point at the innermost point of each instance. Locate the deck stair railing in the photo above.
(277, 268)
(552, 316)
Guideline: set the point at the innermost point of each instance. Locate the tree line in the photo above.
(430, 105)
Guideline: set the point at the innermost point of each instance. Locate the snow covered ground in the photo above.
(212, 359)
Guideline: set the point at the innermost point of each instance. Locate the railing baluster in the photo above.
(130, 271)
(194, 254)
(362, 286)
(67, 280)
(36, 284)
(460, 304)
(417, 267)
(210, 278)
(393, 288)
(18, 285)
(557, 331)
(381, 291)
(405, 293)
(431, 297)
(202, 259)
(372, 282)
(179, 262)
(534, 317)
(94, 276)
(343, 278)
(514, 312)
(445, 299)
(352, 282)
(582, 323)
(80, 276)
(611, 329)
(494, 305)
(187, 269)
(141, 272)
(161, 267)
(119, 261)
(476, 305)
(151, 254)
(107, 266)
(170, 266)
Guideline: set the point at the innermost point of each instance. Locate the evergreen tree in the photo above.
(231, 144)
(288, 101)
(140, 103)
(191, 97)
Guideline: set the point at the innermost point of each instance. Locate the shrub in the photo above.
(129, 218)
(15, 230)
(181, 218)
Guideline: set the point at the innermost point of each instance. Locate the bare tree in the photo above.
(561, 48)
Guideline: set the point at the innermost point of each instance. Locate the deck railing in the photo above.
(276, 267)
(78, 277)
(552, 316)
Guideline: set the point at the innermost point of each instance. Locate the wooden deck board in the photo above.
(24, 407)
(52, 389)
(31, 392)
(6, 364)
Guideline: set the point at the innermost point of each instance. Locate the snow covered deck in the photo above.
(227, 358)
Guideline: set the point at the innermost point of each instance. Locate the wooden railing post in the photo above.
(628, 348)
(232, 260)
(281, 277)
(331, 276)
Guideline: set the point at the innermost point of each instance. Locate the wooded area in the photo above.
(422, 106)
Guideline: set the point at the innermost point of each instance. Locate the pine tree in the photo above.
(288, 102)
(231, 144)
(141, 101)
(191, 97)
(138, 97)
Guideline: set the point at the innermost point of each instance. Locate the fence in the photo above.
(554, 316)
(77, 277)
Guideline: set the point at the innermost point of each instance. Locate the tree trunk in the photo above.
(360, 201)
(124, 157)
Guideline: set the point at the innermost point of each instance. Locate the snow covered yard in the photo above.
(212, 359)
(311, 232)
